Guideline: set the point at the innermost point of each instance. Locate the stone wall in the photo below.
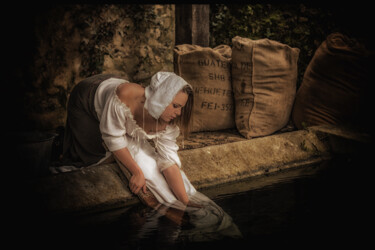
(71, 42)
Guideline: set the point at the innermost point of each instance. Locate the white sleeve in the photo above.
(166, 148)
(112, 124)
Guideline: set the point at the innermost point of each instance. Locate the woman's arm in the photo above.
(137, 181)
(174, 179)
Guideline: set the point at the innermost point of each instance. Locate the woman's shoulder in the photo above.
(129, 92)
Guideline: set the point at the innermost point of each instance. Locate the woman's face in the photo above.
(174, 108)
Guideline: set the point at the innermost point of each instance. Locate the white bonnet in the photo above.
(163, 88)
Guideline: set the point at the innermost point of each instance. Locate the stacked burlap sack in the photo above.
(336, 86)
(252, 86)
(208, 71)
(264, 74)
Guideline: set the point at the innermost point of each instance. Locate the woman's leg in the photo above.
(176, 183)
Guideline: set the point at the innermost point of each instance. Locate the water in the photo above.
(320, 206)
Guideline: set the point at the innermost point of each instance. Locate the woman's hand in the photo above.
(137, 182)
(131, 170)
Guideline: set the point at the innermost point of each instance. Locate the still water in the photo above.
(318, 206)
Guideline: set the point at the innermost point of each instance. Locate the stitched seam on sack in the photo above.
(252, 84)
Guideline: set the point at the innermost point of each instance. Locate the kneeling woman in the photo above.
(126, 116)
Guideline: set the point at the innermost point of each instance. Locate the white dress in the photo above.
(119, 130)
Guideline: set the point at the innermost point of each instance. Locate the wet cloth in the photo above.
(198, 225)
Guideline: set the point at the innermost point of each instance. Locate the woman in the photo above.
(124, 116)
(109, 115)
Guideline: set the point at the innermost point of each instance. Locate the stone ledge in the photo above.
(104, 187)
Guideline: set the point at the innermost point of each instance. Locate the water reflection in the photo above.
(166, 225)
(330, 206)
(305, 209)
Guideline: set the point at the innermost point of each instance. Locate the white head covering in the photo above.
(163, 88)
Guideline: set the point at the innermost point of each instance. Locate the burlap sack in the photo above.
(334, 85)
(264, 76)
(208, 71)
